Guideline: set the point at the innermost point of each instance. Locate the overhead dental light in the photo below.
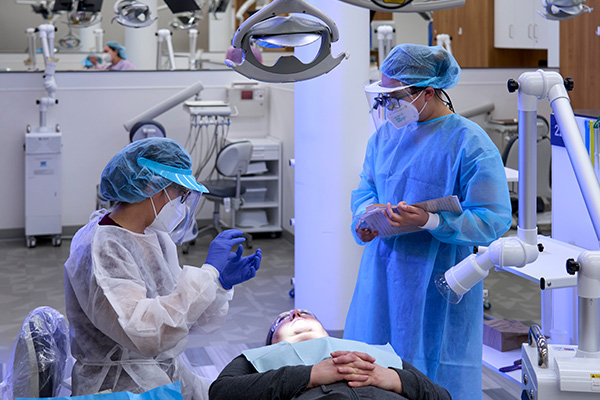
(133, 14)
(557, 10)
(85, 13)
(188, 13)
(267, 29)
(423, 6)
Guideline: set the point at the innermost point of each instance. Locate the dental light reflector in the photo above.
(407, 5)
(85, 13)
(132, 14)
(292, 31)
(187, 21)
(267, 29)
(557, 10)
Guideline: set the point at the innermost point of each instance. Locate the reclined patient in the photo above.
(301, 361)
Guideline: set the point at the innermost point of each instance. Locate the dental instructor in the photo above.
(423, 150)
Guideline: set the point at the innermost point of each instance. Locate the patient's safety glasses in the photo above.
(289, 315)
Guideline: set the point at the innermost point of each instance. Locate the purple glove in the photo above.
(239, 269)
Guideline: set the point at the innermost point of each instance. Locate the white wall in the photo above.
(281, 126)
(91, 112)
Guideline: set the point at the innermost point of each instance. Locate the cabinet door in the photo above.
(517, 25)
(505, 24)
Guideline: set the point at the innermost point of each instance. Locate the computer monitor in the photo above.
(62, 5)
(178, 6)
(90, 5)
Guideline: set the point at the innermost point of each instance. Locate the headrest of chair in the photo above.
(234, 158)
(39, 355)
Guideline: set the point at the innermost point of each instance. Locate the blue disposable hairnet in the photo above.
(117, 47)
(126, 180)
(422, 66)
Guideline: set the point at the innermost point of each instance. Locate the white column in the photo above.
(331, 132)
(140, 43)
(220, 31)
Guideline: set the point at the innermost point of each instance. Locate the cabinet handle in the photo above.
(529, 31)
(535, 31)
(511, 30)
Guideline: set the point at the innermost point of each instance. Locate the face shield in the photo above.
(186, 230)
(393, 105)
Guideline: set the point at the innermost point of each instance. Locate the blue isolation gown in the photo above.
(395, 299)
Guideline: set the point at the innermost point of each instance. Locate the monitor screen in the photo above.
(62, 5)
(178, 6)
(89, 5)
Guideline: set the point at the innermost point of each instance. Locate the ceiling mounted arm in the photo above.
(406, 6)
(267, 28)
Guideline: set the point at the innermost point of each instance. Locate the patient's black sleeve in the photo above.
(417, 386)
(239, 380)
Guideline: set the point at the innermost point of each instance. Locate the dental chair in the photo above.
(41, 358)
(231, 163)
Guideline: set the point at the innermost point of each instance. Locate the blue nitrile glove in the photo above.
(239, 269)
(220, 248)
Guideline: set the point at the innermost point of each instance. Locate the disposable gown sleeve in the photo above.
(240, 380)
(365, 194)
(120, 308)
(485, 201)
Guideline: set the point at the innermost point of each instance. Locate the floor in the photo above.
(34, 276)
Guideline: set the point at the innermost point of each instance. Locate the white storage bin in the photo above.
(252, 218)
(255, 195)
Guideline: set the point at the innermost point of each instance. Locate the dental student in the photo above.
(130, 305)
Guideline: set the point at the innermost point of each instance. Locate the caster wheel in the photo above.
(56, 241)
(487, 305)
(30, 241)
(292, 293)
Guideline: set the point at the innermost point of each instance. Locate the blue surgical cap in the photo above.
(125, 180)
(117, 47)
(422, 66)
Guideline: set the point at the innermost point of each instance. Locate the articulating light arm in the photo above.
(522, 250)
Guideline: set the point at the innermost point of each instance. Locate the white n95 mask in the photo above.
(171, 215)
(106, 58)
(404, 113)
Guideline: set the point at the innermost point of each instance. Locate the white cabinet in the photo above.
(517, 25)
(260, 210)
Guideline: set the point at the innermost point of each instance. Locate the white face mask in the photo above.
(404, 113)
(106, 58)
(170, 216)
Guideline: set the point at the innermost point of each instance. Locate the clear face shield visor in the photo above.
(187, 229)
(393, 105)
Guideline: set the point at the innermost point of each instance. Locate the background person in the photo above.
(337, 374)
(114, 58)
(422, 151)
(129, 303)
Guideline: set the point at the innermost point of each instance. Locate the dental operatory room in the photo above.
(300, 199)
